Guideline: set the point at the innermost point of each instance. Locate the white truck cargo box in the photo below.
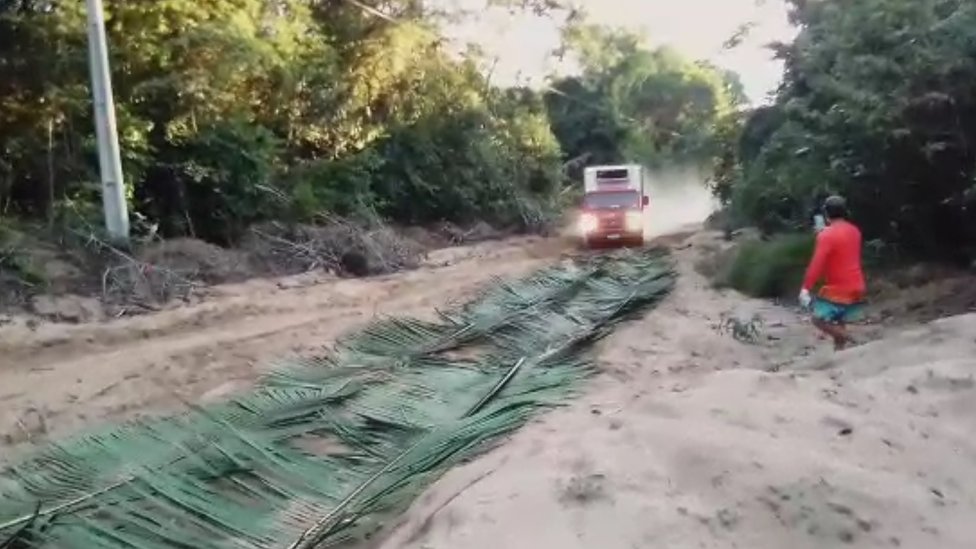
(613, 178)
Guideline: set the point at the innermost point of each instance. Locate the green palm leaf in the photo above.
(325, 444)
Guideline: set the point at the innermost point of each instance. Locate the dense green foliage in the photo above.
(771, 268)
(238, 110)
(640, 104)
(232, 112)
(878, 104)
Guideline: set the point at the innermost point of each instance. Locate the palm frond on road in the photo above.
(326, 444)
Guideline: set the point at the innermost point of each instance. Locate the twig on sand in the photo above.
(429, 520)
(137, 282)
(339, 245)
(310, 253)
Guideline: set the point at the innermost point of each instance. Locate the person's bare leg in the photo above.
(838, 332)
(846, 339)
(849, 340)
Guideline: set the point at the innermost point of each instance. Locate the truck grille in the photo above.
(612, 222)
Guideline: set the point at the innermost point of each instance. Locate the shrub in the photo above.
(861, 114)
(340, 187)
(769, 268)
(219, 182)
(468, 166)
(15, 261)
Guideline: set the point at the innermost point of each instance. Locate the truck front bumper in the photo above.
(608, 239)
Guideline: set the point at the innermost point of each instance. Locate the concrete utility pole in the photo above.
(109, 160)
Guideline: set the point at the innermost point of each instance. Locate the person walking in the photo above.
(837, 262)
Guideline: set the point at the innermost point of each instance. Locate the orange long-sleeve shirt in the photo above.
(837, 260)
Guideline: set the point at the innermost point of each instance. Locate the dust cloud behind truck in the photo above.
(613, 206)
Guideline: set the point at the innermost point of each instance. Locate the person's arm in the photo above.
(815, 269)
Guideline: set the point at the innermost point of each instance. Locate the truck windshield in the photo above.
(601, 201)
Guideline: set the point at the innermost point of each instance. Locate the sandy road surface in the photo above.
(692, 439)
(58, 378)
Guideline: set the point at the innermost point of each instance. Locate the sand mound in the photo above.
(198, 260)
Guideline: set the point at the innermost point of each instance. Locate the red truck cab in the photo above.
(614, 205)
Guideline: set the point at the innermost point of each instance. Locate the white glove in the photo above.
(819, 223)
(805, 299)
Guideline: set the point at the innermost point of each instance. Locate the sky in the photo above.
(696, 28)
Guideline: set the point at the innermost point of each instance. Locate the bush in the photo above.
(218, 183)
(468, 166)
(860, 114)
(340, 187)
(769, 268)
(16, 264)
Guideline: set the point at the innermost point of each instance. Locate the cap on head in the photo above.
(835, 207)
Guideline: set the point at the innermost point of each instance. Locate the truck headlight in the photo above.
(588, 223)
(634, 222)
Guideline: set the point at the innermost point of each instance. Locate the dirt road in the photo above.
(690, 439)
(58, 378)
(693, 439)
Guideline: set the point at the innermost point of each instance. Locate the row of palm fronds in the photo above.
(325, 446)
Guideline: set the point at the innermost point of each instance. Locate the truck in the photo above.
(613, 206)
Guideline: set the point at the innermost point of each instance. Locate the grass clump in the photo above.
(770, 268)
(15, 262)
